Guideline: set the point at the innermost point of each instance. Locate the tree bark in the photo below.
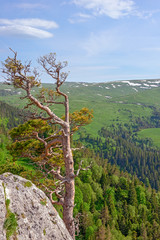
(69, 184)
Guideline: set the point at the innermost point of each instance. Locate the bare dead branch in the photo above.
(46, 109)
(83, 169)
(77, 223)
(40, 117)
(57, 140)
(57, 175)
(35, 135)
(28, 105)
(56, 133)
(61, 200)
(54, 102)
(75, 149)
(22, 98)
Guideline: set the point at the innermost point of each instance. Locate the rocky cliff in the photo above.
(26, 213)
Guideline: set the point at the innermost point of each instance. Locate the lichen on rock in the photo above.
(35, 220)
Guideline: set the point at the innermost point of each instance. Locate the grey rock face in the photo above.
(36, 217)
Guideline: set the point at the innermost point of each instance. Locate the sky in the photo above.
(102, 40)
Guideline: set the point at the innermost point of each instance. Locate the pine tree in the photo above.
(32, 135)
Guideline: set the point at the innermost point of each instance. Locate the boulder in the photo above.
(26, 213)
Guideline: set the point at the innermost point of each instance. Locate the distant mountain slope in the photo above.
(110, 101)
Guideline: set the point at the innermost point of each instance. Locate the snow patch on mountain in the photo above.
(109, 97)
(113, 86)
(135, 89)
(132, 84)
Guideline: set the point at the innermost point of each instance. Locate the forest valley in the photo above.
(110, 200)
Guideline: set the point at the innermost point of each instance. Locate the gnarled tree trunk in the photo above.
(68, 204)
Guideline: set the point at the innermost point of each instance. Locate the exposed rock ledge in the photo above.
(36, 217)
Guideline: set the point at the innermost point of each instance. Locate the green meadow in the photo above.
(152, 133)
(111, 102)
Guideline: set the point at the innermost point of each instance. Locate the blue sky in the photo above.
(102, 40)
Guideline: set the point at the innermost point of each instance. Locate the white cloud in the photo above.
(100, 42)
(31, 5)
(80, 17)
(24, 30)
(32, 22)
(146, 14)
(112, 8)
(29, 27)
